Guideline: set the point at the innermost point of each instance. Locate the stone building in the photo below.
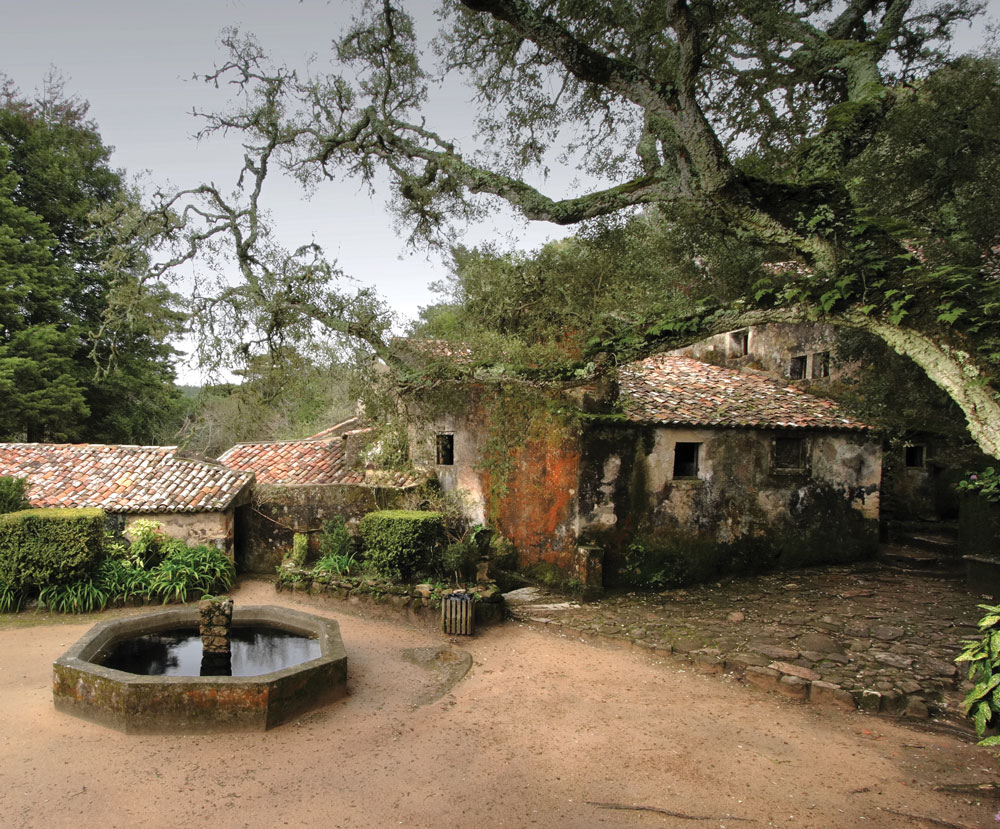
(197, 501)
(301, 484)
(678, 471)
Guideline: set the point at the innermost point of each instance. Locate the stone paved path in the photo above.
(863, 636)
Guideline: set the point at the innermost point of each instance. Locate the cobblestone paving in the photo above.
(863, 636)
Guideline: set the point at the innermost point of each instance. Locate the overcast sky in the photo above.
(134, 61)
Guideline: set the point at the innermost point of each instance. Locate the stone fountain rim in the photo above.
(326, 631)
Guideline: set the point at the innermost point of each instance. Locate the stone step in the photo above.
(946, 561)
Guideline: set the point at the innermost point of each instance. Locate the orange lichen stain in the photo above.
(538, 511)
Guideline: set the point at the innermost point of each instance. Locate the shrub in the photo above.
(335, 539)
(982, 703)
(121, 580)
(398, 543)
(10, 599)
(195, 571)
(13, 494)
(147, 546)
(460, 560)
(49, 546)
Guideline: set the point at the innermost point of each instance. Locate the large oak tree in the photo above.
(771, 118)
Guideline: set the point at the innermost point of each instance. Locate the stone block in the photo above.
(916, 709)
(793, 687)
(706, 663)
(795, 670)
(765, 678)
(826, 693)
(869, 701)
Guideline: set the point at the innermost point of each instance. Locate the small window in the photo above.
(915, 456)
(789, 454)
(739, 343)
(445, 450)
(821, 364)
(686, 460)
(797, 367)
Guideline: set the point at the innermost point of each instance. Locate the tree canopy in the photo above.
(83, 352)
(775, 124)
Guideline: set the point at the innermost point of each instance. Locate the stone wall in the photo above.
(194, 528)
(278, 512)
(741, 510)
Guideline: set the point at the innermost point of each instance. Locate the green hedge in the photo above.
(40, 547)
(13, 494)
(399, 543)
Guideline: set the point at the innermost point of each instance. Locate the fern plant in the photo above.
(982, 704)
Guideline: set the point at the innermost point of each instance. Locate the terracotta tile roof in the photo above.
(120, 478)
(672, 389)
(309, 461)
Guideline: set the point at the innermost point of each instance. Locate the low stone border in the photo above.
(419, 604)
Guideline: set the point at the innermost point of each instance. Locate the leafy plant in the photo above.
(188, 571)
(460, 559)
(985, 484)
(339, 564)
(147, 543)
(10, 599)
(121, 580)
(83, 596)
(982, 704)
(335, 539)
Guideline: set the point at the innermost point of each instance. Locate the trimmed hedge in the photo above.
(40, 547)
(13, 494)
(398, 543)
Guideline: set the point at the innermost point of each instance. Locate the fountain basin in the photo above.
(141, 704)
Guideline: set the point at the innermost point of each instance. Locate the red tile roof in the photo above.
(679, 390)
(309, 461)
(120, 478)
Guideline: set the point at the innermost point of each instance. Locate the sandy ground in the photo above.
(542, 731)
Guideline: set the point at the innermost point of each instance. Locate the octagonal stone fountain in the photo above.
(125, 673)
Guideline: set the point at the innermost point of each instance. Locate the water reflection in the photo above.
(255, 651)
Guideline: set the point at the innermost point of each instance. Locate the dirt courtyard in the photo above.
(541, 731)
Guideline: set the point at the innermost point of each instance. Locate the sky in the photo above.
(134, 61)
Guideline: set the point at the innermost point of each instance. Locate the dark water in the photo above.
(255, 651)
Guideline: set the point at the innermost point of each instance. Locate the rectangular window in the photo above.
(445, 450)
(797, 367)
(789, 454)
(739, 343)
(821, 364)
(915, 456)
(686, 460)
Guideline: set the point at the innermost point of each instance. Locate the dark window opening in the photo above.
(740, 343)
(797, 368)
(821, 364)
(686, 460)
(915, 456)
(789, 453)
(445, 450)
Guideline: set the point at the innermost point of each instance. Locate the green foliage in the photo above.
(147, 543)
(982, 704)
(121, 580)
(398, 543)
(337, 564)
(49, 546)
(13, 494)
(300, 550)
(82, 350)
(191, 571)
(985, 484)
(82, 596)
(459, 560)
(335, 539)
(10, 599)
